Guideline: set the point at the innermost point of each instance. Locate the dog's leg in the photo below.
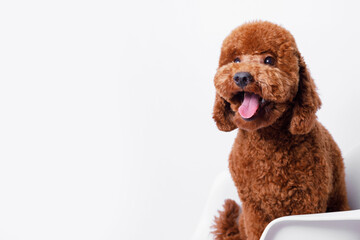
(227, 223)
(255, 222)
(338, 197)
(338, 201)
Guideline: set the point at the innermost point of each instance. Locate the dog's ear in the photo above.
(222, 114)
(307, 102)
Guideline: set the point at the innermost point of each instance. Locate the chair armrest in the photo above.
(330, 226)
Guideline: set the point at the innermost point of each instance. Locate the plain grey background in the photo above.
(105, 108)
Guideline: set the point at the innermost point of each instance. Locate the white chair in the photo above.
(330, 226)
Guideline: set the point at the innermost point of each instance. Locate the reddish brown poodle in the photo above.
(283, 161)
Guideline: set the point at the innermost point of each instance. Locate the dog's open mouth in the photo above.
(250, 104)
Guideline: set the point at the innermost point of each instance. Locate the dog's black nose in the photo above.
(242, 79)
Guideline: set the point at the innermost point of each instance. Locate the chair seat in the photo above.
(329, 226)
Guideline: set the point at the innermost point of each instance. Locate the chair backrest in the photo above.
(352, 176)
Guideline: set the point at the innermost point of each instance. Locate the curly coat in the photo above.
(283, 161)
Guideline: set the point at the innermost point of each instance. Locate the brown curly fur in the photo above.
(227, 227)
(283, 161)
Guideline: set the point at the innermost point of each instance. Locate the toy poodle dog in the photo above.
(283, 161)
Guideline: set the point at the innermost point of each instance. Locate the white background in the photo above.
(105, 108)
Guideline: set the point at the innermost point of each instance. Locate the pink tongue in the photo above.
(249, 105)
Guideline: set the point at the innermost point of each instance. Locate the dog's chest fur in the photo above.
(278, 165)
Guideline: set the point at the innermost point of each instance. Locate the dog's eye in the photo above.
(236, 60)
(269, 60)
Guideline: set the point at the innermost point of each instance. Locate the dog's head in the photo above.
(261, 76)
